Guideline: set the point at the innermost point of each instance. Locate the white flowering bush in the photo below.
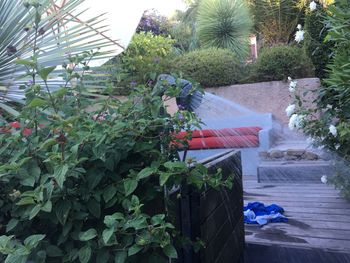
(299, 35)
(328, 123)
(313, 6)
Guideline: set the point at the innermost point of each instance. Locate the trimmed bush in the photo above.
(210, 67)
(146, 54)
(280, 62)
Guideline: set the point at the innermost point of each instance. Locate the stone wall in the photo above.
(266, 97)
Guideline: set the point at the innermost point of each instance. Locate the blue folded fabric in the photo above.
(258, 213)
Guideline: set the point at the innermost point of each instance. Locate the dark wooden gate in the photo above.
(215, 216)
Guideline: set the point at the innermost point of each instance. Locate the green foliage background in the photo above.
(147, 53)
(316, 48)
(333, 101)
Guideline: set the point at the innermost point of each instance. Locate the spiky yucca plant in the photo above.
(57, 35)
(224, 24)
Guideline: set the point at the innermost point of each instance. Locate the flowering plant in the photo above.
(91, 184)
(329, 121)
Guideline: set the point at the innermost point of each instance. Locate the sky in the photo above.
(166, 7)
(123, 16)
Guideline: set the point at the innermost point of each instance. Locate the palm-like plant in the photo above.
(276, 20)
(53, 38)
(224, 24)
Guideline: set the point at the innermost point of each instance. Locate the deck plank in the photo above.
(319, 217)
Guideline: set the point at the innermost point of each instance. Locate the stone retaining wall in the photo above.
(266, 97)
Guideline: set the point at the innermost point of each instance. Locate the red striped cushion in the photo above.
(221, 132)
(224, 142)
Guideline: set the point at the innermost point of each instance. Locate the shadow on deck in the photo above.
(318, 229)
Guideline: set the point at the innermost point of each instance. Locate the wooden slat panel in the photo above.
(288, 230)
(303, 242)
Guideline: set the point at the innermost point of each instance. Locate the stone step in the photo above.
(289, 154)
(294, 171)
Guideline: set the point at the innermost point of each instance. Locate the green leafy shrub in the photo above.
(83, 185)
(329, 122)
(92, 186)
(279, 62)
(210, 67)
(147, 53)
(225, 24)
(316, 48)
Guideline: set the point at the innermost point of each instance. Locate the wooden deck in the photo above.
(318, 217)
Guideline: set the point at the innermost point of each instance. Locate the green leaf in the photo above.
(84, 254)
(157, 219)
(120, 257)
(47, 207)
(26, 201)
(102, 256)
(48, 143)
(60, 174)
(138, 223)
(37, 102)
(130, 186)
(60, 93)
(41, 256)
(170, 251)
(107, 234)
(163, 178)
(45, 72)
(176, 166)
(36, 209)
(33, 241)
(111, 219)
(88, 235)
(11, 224)
(109, 193)
(54, 251)
(94, 207)
(14, 258)
(93, 180)
(134, 250)
(25, 62)
(146, 172)
(66, 228)
(4, 240)
(62, 211)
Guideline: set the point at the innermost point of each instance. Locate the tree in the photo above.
(155, 23)
(42, 26)
(315, 46)
(276, 20)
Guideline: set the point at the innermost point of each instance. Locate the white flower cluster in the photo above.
(333, 130)
(292, 84)
(290, 110)
(299, 35)
(313, 6)
(295, 121)
(324, 179)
